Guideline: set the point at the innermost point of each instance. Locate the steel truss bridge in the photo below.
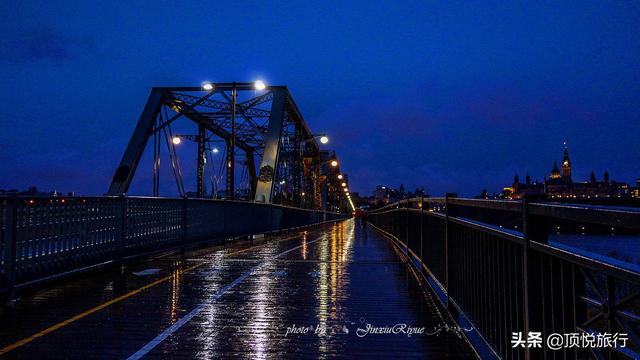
(272, 265)
(281, 161)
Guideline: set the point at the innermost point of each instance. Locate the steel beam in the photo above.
(199, 118)
(268, 170)
(200, 161)
(230, 174)
(231, 150)
(124, 174)
(251, 167)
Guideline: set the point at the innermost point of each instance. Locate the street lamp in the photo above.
(323, 137)
(334, 163)
(344, 184)
(259, 85)
(340, 176)
(207, 86)
(176, 140)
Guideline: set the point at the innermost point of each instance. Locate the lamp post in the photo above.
(335, 188)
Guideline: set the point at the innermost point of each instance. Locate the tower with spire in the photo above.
(566, 165)
(555, 172)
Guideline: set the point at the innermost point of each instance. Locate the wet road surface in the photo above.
(309, 294)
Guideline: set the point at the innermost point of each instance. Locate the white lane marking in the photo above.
(185, 319)
(147, 272)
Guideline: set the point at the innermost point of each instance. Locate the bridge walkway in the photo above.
(248, 299)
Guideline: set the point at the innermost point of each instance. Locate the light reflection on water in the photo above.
(332, 285)
(261, 295)
(304, 246)
(174, 294)
(207, 335)
(261, 322)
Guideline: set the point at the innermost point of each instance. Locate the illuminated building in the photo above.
(560, 184)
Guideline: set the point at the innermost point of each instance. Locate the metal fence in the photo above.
(503, 280)
(44, 237)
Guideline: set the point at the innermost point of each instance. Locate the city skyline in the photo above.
(600, 175)
(561, 182)
(467, 97)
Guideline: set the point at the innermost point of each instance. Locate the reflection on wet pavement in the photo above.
(336, 290)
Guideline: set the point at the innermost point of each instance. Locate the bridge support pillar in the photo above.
(200, 161)
(251, 169)
(533, 229)
(230, 171)
(129, 163)
(268, 166)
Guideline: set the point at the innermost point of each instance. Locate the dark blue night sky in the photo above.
(452, 96)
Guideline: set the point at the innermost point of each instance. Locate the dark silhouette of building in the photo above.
(560, 184)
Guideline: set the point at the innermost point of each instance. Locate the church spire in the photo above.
(555, 173)
(566, 164)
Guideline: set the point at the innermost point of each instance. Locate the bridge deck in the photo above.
(238, 301)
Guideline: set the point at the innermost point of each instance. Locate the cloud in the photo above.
(43, 43)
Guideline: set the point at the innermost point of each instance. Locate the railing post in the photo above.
(394, 220)
(184, 225)
(10, 237)
(532, 229)
(421, 230)
(406, 228)
(610, 312)
(121, 225)
(447, 231)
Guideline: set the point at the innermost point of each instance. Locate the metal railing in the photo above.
(45, 237)
(501, 280)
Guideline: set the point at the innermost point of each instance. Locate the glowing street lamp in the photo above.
(334, 163)
(344, 184)
(346, 190)
(259, 85)
(340, 176)
(322, 137)
(176, 140)
(207, 86)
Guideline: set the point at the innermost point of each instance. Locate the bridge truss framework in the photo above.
(265, 126)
